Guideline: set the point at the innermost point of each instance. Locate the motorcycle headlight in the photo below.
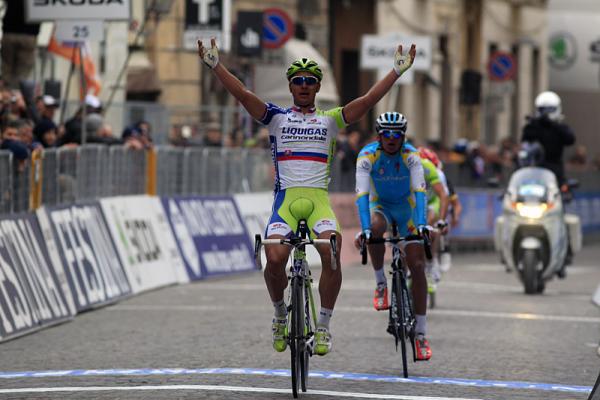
(533, 211)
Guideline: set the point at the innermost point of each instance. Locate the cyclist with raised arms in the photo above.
(390, 187)
(302, 146)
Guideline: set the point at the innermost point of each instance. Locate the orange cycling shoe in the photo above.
(422, 349)
(380, 300)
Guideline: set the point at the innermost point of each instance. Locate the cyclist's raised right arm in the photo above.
(251, 102)
(363, 185)
(417, 184)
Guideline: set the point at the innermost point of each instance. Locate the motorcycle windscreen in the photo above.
(533, 184)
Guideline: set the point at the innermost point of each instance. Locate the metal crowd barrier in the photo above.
(77, 174)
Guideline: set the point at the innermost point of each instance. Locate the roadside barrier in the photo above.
(61, 261)
(64, 260)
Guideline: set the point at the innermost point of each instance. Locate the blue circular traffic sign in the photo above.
(277, 28)
(502, 66)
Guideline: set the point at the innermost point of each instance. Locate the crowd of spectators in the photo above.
(29, 125)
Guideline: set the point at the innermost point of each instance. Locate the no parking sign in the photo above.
(277, 28)
(502, 66)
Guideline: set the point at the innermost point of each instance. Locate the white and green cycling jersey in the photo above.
(302, 145)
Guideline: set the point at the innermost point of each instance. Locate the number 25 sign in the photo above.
(79, 31)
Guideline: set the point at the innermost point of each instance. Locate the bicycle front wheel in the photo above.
(297, 341)
(398, 289)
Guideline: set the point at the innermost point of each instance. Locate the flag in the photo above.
(70, 51)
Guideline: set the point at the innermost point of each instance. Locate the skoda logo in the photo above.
(563, 50)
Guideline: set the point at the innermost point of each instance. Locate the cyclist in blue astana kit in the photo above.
(302, 146)
(390, 186)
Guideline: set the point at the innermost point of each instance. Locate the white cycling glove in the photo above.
(210, 56)
(402, 62)
(367, 234)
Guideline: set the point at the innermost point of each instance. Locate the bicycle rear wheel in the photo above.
(297, 335)
(307, 332)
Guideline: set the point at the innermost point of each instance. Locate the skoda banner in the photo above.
(80, 241)
(50, 10)
(31, 295)
(211, 235)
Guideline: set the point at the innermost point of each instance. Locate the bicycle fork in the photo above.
(301, 273)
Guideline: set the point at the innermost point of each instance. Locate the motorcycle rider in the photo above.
(547, 128)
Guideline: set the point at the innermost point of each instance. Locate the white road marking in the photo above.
(223, 389)
(456, 313)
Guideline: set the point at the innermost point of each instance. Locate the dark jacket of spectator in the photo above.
(554, 137)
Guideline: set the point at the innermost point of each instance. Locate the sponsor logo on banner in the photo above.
(145, 241)
(184, 239)
(93, 270)
(215, 227)
(30, 293)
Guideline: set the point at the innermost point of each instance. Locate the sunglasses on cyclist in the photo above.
(300, 80)
(392, 134)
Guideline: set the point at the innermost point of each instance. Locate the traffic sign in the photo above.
(249, 30)
(502, 66)
(277, 28)
(79, 31)
(205, 19)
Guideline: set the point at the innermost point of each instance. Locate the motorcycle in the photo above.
(534, 235)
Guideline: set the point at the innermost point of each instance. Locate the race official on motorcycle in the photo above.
(547, 128)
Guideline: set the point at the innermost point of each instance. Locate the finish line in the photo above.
(477, 383)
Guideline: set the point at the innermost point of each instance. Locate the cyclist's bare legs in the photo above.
(415, 259)
(330, 281)
(377, 251)
(275, 274)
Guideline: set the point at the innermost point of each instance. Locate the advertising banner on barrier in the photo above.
(31, 294)
(480, 209)
(587, 207)
(216, 229)
(80, 247)
(255, 209)
(145, 242)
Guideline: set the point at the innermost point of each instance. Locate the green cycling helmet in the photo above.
(304, 64)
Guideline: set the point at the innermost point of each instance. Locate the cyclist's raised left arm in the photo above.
(251, 102)
(357, 108)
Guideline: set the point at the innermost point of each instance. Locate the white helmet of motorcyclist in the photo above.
(548, 104)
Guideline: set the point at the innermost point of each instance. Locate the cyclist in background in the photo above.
(437, 209)
(302, 145)
(390, 186)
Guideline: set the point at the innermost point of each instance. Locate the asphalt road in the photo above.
(211, 340)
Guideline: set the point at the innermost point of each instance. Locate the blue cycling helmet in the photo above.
(391, 120)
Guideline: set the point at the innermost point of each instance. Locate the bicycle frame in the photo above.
(402, 320)
(301, 305)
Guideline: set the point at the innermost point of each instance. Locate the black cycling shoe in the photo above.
(562, 273)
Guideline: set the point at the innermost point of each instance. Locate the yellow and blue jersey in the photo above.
(394, 182)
